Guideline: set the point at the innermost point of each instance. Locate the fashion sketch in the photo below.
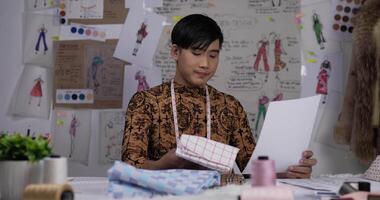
(141, 34)
(36, 91)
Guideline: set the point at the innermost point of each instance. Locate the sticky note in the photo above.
(311, 60)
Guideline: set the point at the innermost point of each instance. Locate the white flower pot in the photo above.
(16, 175)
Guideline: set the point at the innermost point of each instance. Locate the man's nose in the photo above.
(203, 61)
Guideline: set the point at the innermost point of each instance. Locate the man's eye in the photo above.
(197, 53)
(213, 55)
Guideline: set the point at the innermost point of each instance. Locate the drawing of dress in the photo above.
(42, 36)
(323, 77)
(317, 27)
(262, 110)
(73, 131)
(35, 3)
(141, 34)
(142, 83)
(278, 51)
(36, 91)
(96, 61)
(278, 97)
(262, 52)
(87, 11)
(278, 3)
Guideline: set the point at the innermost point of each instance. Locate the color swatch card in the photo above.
(86, 64)
(74, 96)
(79, 31)
(139, 37)
(341, 27)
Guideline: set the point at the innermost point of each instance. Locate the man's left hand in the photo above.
(303, 169)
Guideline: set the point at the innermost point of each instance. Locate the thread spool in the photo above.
(48, 192)
(263, 172)
(267, 193)
(55, 170)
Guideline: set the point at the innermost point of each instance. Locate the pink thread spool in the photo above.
(263, 172)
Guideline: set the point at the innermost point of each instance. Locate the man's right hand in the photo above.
(171, 161)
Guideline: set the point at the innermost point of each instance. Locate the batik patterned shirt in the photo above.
(149, 127)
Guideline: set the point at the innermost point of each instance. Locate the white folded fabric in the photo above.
(206, 152)
(373, 172)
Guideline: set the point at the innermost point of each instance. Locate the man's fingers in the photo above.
(308, 162)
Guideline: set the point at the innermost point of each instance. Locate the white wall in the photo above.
(330, 159)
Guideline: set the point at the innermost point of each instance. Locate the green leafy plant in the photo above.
(20, 147)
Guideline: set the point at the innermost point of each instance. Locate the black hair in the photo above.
(196, 31)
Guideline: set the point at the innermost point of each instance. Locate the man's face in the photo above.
(195, 66)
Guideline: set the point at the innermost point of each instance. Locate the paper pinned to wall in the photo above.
(139, 78)
(111, 130)
(39, 33)
(72, 134)
(32, 5)
(84, 64)
(326, 74)
(82, 9)
(32, 95)
(114, 13)
(139, 37)
(289, 123)
(316, 39)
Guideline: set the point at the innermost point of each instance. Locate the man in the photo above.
(150, 137)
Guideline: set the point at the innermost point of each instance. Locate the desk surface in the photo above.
(96, 188)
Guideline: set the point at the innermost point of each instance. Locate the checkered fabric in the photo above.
(206, 152)
(128, 181)
(373, 172)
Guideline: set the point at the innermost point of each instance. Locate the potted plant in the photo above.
(20, 163)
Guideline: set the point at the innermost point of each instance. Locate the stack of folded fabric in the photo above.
(128, 181)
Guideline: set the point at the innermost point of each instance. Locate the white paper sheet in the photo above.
(286, 132)
(139, 78)
(33, 94)
(72, 134)
(335, 80)
(139, 37)
(39, 33)
(111, 132)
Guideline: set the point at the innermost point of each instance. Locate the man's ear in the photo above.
(174, 51)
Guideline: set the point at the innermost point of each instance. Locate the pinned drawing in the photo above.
(39, 33)
(42, 31)
(318, 30)
(276, 3)
(141, 34)
(72, 134)
(139, 37)
(36, 91)
(111, 135)
(279, 64)
(262, 110)
(323, 77)
(141, 79)
(36, 1)
(73, 131)
(33, 93)
(262, 54)
(92, 79)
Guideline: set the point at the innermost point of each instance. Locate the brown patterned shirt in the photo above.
(149, 127)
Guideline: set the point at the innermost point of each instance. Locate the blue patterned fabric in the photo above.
(127, 181)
